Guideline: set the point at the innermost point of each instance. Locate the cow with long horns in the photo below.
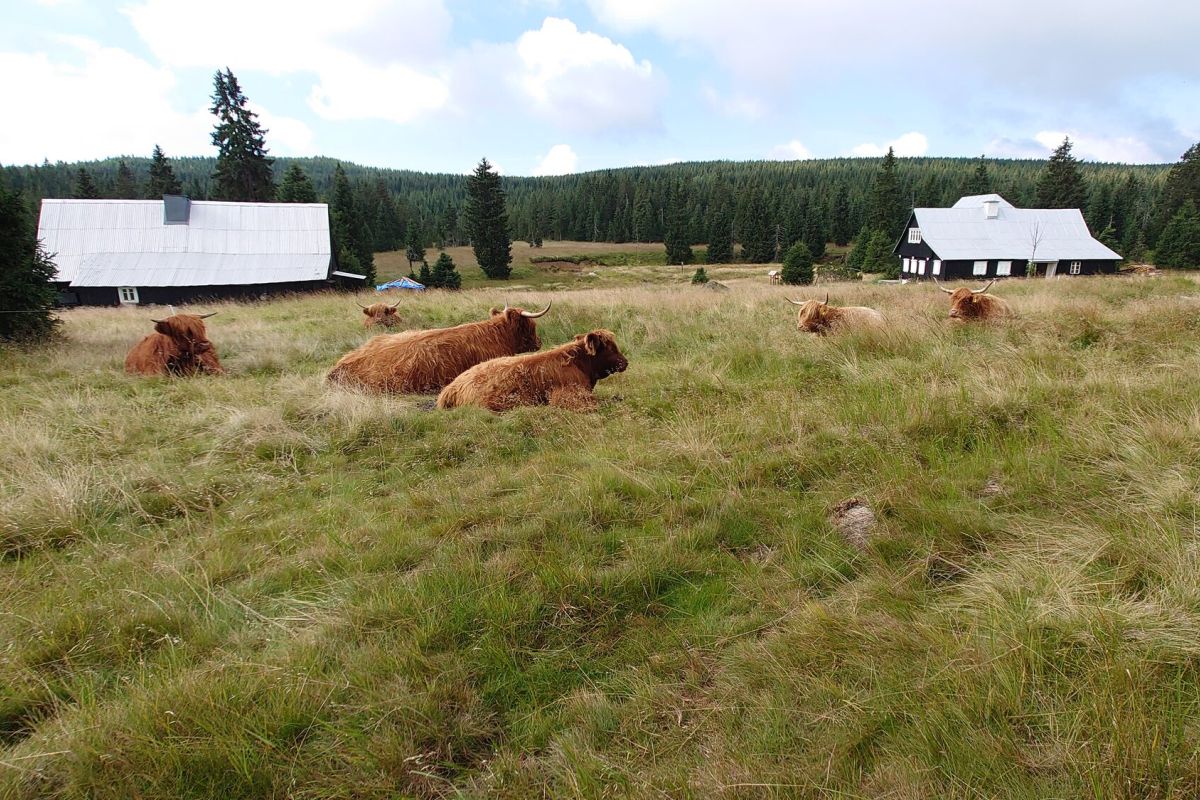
(425, 361)
(380, 314)
(178, 346)
(817, 316)
(563, 377)
(968, 304)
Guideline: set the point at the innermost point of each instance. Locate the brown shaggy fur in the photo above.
(425, 361)
(965, 305)
(180, 346)
(380, 314)
(563, 377)
(822, 318)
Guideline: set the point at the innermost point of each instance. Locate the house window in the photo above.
(128, 295)
(1004, 268)
(980, 268)
(1075, 267)
(921, 267)
(914, 235)
(937, 266)
(906, 265)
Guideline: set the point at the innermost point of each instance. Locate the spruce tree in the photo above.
(350, 245)
(85, 186)
(1182, 184)
(243, 169)
(445, 275)
(487, 222)
(645, 228)
(720, 234)
(126, 186)
(814, 234)
(296, 187)
(980, 182)
(699, 276)
(757, 231)
(675, 233)
(887, 210)
(26, 274)
(878, 256)
(414, 250)
(843, 229)
(797, 265)
(162, 177)
(1179, 243)
(425, 277)
(1061, 184)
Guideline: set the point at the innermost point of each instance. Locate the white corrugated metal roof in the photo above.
(977, 200)
(964, 233)
(125, 243)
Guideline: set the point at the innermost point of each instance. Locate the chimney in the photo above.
(176, 209)
(991, 209)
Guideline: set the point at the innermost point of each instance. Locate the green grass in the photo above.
(260, 586)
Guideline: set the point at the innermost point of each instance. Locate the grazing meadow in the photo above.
(258, 585)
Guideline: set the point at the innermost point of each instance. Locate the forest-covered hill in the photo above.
(629, 204)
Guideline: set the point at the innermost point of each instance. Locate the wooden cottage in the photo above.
(176, 250)
(985, 236)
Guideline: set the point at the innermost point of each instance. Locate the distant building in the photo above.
(985, 236)
(175, 250)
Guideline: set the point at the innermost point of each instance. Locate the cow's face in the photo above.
(601, 346)
(380, 314)
(187, 331)
(965, 304)
(814, 317)
(524, 329)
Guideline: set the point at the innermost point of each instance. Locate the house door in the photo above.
(1051, 268)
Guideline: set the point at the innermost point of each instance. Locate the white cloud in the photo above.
(361, 52)
(792, 151)
(561, 160)
(583, 81)
(84, 109)
(1122, 149)
(910, 144)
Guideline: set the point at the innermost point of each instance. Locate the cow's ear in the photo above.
(592, 344)
(367, 311)
(495, 311)
(390, 311)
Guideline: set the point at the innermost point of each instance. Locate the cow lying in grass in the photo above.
(425, 361)
(380, 314)
(973, 304)
(563, 377)
(821, 318)
(179, 346)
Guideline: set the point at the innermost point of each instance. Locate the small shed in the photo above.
(177, 250)
(985, 236)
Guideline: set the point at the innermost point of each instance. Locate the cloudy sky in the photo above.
(554, 86)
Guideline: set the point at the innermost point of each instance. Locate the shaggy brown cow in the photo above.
(425, 361)
(380, 314)
(179, 346)
(821, 318)
(563, 377)
(972, 304)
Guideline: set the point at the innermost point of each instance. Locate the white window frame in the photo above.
(1003, 268)
(979, 268)
(921, 267)
(128, 295)
(914, 235)
(937, 266)
(907, 265)
(1075, 267)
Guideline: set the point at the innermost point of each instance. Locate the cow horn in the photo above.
(397, 305)
(206, 316)
(794, 302)
(360, 305)
(826, 299)
(531, 315)
(156, 321)
(984, 289)
(943, 288)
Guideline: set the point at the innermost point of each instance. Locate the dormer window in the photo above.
(914, 235)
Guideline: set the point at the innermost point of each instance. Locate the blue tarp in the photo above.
(401, 283)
